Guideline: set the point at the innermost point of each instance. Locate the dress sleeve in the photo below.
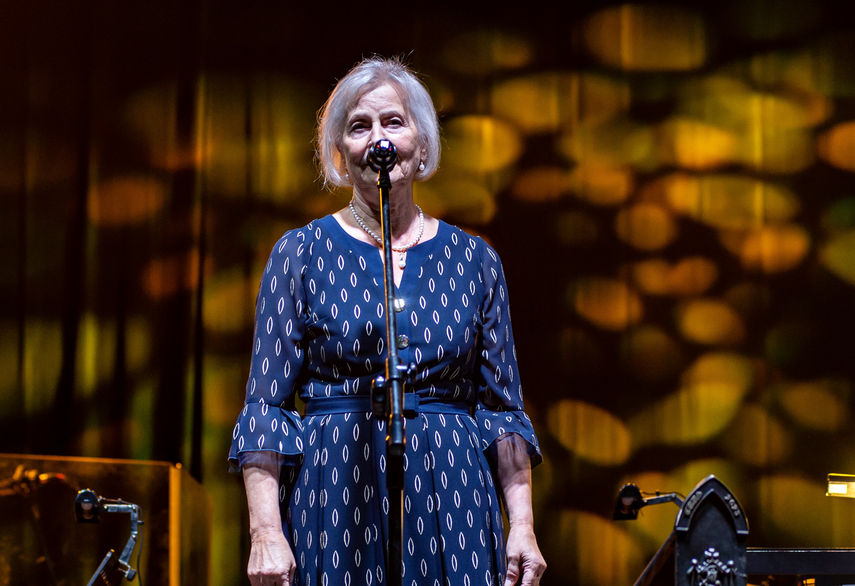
(499, 407)
(268, 420)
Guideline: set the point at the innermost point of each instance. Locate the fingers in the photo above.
(513, 572)
(533, 570)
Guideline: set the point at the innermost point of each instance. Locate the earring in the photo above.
(422, 166)
(346, 177)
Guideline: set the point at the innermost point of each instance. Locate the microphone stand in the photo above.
(388, 392)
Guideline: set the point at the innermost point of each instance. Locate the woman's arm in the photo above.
(270, 557)
(514, 471)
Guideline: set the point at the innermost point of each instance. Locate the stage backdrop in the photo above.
(670, 188)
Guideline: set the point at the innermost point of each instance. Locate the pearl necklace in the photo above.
(402, 261)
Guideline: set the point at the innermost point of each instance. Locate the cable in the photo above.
(139, 554)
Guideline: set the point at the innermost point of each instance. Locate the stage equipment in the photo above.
(841, 485)
(177, 520)
(87, 507)
(388, 391)
(708, 547)
(629, 500)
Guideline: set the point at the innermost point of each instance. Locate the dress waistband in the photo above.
(413, 405)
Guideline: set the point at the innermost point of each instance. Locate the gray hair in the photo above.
(367, 75)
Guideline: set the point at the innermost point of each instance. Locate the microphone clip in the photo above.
(382, 156)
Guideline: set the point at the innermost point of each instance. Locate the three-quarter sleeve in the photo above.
(268, 420)
(499, 409)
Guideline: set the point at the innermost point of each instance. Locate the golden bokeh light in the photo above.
(274, 163)
(757, 438)
(590, 432)
(732, 202)
(549, 102)
(771, 249)
(604, 553)
(614, 143)
(686, 477)
(728, 102)
(818, 405)
(96, 357)
(636, 37)
(650, 353)
(541, 184)
(836, 254)
(480, 144)
(777, 150)
(486, 51)
(282, 112)
(222, 379)
(164, 277)
(837, 145)
(121, 201)
(790, 500)
(227, 302)
(645, 226)
(689, 276)
(607, 303)
(695, 145)
(712, 391)
(601, 185)
(465, 199)
(711, 322)
(42, 363)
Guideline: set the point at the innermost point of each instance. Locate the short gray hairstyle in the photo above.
(365, 76)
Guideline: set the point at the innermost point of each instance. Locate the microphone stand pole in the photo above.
(388, 392)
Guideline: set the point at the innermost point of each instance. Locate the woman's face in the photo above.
(380, 114)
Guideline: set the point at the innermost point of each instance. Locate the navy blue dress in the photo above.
(320, 332)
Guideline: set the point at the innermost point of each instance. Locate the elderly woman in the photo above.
(318, 501)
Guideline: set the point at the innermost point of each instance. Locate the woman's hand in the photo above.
(524, 558)
(271, 561)
(514, 470)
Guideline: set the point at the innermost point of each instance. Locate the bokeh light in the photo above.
(590, 432)
(757, 438)
(645, 227)
(638, 37)
(689, 276)
(819, 405)
(836, 255)
(710, 321)
(126, 200)
(607, 303)
(711, 393)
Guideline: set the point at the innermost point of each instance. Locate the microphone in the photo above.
(382, 155)
(25, 482)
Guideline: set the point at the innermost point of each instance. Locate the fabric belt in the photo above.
(413, 405)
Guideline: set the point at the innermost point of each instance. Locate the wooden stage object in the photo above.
(41, 543)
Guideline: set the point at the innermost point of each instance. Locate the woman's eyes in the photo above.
(360, 126)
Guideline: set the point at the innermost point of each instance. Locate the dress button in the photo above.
(403, 341)
(400, 305)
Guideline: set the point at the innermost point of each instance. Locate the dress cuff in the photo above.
(264, 428)
(496, 426)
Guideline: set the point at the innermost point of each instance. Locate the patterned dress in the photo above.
(321, 333)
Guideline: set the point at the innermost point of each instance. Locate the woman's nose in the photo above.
(377, 133)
